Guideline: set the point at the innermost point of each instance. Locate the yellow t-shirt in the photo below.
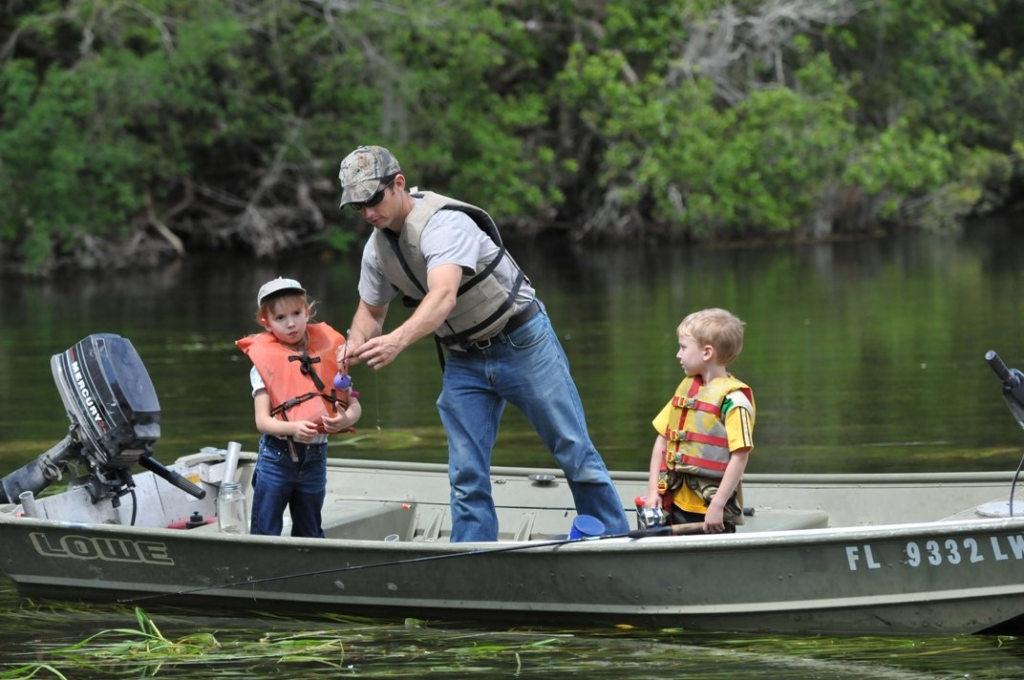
(739, 427)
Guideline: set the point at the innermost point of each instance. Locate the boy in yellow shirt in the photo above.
(705, 432)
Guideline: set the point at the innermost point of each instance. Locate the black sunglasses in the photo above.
(376, 198)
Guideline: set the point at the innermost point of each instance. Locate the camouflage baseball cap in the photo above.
(362, 171)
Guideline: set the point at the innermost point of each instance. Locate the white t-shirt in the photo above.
(257, 381)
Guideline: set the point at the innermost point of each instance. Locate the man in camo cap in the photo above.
(447, 258)
(362, 170)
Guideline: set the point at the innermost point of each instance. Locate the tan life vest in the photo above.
(698, 443)
(483, 305)
(300, 384)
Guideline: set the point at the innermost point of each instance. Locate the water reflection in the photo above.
(863, 355)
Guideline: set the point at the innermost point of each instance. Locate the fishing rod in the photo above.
(668, 530)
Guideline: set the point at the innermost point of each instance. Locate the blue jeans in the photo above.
(527, 368)
(280, 482)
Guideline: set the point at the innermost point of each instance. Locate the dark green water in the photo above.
(863, 355)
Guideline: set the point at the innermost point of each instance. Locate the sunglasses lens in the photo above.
(370, 202)
(373, 200)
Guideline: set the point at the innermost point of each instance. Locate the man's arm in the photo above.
(367, 323)
(376, 350)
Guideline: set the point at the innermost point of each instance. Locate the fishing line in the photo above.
(635, 533)
(376, 378)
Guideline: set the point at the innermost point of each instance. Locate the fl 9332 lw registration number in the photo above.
(938, 551)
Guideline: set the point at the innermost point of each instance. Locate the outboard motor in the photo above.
(106, 390)
(115, 422)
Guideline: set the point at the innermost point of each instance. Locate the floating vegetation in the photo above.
(384, 439)
(269, 645)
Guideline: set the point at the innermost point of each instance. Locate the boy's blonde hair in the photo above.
(718, 328)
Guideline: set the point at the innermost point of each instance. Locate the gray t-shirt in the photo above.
(450, 237)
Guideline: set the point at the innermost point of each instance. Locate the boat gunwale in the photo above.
(774, 537)
(858, 479)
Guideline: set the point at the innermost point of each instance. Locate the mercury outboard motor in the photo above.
(115, 422)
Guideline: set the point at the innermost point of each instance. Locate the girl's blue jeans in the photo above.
(279, 483)
(527, 368)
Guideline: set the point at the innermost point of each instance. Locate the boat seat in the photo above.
(771, 519)
(368, 521)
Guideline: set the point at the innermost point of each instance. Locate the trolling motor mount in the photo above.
(1013, 385)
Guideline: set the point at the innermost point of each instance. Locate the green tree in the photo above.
(132, 132)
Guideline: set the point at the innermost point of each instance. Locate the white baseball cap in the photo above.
(278, 285)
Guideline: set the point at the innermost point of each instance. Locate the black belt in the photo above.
(510, 325)
(522, 317)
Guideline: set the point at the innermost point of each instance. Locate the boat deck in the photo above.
(362, 504)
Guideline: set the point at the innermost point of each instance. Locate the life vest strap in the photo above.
(331, 398)
(678, 436)
(484, 273)
(707, 439)
(703, 463)
(306, 366)
(462, 338)
(694, 405)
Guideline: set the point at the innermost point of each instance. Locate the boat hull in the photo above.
(949, 577)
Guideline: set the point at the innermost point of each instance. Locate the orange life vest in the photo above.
(300, 383)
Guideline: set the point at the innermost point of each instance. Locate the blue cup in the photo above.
(585, 526)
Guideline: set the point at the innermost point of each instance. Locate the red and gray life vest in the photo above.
(300, 384)
(483, 305)
(697, 440)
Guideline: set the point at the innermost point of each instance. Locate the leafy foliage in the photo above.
(133, 132)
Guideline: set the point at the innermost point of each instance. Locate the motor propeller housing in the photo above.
(109, 398)
(115, 421)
